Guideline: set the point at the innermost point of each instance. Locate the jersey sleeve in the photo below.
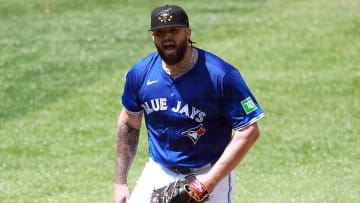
(130, 97)
(240, 106)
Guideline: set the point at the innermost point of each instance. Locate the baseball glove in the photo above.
(184, 190)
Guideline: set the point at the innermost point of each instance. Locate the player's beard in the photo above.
(172, 59)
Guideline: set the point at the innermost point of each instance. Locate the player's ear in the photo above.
(188, 32)
(152, 36)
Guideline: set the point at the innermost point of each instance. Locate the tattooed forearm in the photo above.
(127, 141)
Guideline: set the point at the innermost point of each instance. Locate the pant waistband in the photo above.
(185, 171)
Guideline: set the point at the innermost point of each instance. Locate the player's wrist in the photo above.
(120, 185)
(207, 182)
(197, 190)
(120, 180)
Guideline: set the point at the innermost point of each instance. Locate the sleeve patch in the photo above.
(248, 105)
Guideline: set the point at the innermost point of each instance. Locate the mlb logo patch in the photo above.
(248, 105)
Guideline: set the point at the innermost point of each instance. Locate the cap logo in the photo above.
(165, 16)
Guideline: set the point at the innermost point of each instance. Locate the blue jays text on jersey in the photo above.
(160, 104)
(189, 119)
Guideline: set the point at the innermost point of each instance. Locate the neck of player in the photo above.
(184, 65)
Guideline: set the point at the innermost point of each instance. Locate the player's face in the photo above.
(171, 43)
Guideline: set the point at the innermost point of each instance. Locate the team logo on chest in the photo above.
(194, 133)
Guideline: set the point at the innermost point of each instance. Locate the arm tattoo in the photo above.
(127, 141)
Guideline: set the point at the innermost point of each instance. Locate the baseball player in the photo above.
(201, 119)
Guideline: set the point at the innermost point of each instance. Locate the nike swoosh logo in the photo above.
(151, 82)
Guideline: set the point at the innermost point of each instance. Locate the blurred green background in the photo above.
(62, 68)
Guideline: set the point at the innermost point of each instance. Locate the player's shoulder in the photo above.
(145, 64)
(215, 63)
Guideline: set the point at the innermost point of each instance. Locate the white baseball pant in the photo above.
(155, 176)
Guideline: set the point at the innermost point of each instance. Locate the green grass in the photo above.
(62, 66)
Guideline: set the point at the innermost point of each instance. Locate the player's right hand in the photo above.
(121, 193)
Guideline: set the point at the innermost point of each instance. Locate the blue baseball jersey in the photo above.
(189, 119)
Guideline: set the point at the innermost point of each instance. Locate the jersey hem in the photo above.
(251, 122)
(133, 112)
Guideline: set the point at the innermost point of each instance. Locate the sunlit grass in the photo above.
(62, 67)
